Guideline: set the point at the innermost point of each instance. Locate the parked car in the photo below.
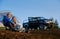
(40, 23)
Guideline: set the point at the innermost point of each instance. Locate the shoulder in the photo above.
(4, 16)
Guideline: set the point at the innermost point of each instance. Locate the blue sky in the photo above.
(23, 9)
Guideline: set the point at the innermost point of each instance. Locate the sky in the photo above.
(23, 9)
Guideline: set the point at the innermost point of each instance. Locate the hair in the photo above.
(8, 13)
(13, 17)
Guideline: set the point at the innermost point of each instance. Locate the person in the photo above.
(15, 25)
(7, 22)
(6, 19)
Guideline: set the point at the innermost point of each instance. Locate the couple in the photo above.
(11, 24)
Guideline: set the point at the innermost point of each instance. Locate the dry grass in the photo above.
(35, 34)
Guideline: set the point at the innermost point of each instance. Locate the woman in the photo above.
(17, 27)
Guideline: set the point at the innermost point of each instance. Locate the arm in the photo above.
(14, 24)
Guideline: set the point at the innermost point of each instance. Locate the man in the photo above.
(6, 19)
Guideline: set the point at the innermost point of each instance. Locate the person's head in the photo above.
(14, 18)
(8, 14)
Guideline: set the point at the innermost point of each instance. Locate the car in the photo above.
(40, 23)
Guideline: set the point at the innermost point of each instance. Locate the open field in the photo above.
(35, 34)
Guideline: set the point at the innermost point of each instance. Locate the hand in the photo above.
(14, 24)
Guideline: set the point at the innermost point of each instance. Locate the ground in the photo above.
(34, 34)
